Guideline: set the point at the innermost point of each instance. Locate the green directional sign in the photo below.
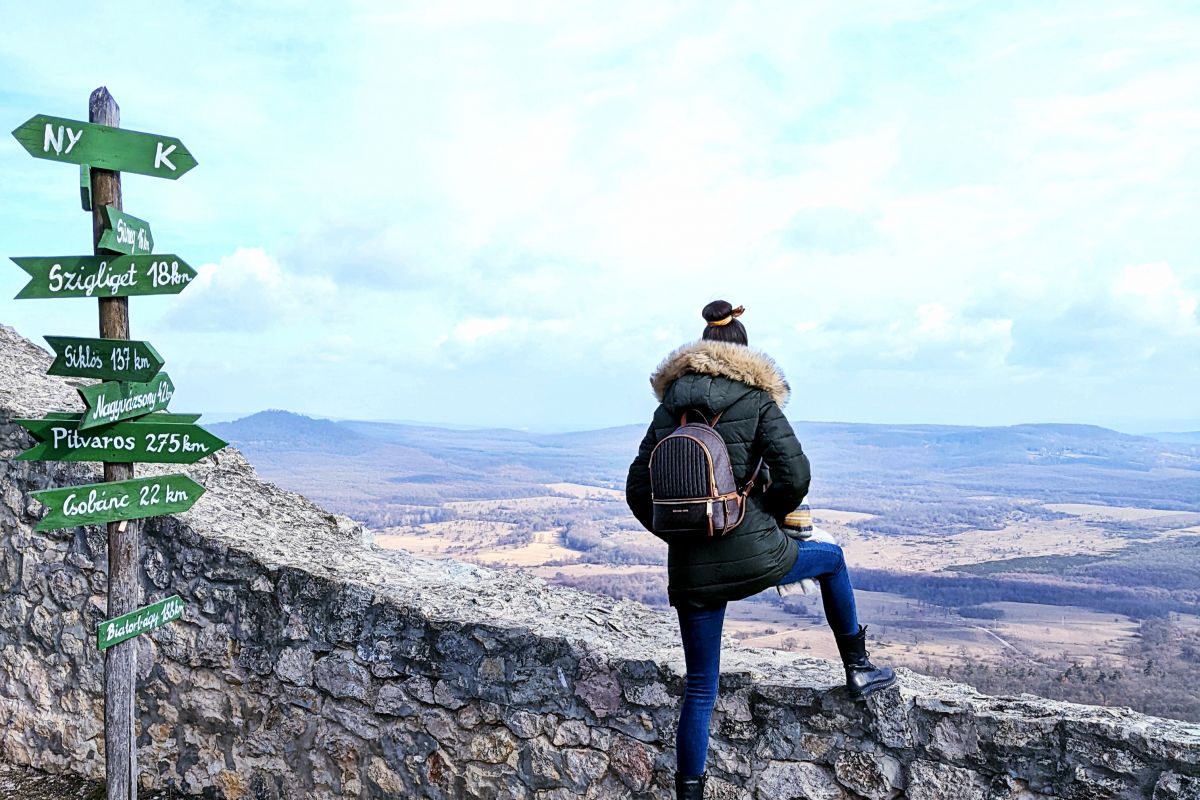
(135, 441)
(144, 620)
(126, 234)
(103, 276)
(114, 401)
(95, 503)
(169, 419)
(85, 187)
(106, 359)
(101, 146)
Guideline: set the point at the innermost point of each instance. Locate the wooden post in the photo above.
(124, 557)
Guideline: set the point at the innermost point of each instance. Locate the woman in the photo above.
(721, 375)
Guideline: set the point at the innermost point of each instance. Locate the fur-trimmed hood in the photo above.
(722, 359)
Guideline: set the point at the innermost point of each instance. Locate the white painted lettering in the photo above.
(73, 138)
(160, 157)
(52, 140)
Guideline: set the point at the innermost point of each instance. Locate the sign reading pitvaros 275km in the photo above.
(115, 631)
(145, 440)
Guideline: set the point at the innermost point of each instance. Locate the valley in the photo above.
(1054, 581)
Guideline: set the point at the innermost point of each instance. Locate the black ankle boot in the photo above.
(862, 677)
(689, 787)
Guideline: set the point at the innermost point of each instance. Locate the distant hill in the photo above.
(908, 474)
(1182, 437)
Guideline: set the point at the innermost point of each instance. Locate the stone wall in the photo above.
(309, 664)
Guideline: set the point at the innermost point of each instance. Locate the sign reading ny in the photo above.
(106, 359)
(114, 401)
(101, 276)
(126, 234)
(95, 503)
(104, 147)
(135, 441)
(117, 630)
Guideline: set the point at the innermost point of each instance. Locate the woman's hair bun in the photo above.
(717, 310)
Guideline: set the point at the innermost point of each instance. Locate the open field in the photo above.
(1059, 559)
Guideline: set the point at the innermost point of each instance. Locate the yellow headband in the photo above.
(737, 312)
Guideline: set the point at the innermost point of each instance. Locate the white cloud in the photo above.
(249, 290)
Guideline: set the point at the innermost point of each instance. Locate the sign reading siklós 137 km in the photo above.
(102, 276)
(105, 147)
(106, 359)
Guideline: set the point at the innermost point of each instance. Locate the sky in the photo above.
(492, 213)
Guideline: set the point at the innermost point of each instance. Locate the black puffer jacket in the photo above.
(747, 389)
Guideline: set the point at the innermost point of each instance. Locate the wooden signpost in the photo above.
(103, 276)
(124, 422)
(144, 620)
(104, 146)
(112, 502)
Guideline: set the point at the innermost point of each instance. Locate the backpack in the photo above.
(691, 482)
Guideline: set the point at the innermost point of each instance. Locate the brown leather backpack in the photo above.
(692, 484)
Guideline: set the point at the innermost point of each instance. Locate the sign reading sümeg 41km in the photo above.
(101, 276)
(104, 147)
(94, 503)
(126, 234)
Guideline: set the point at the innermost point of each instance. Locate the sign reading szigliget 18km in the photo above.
(94, 503)
(104, 147)
(103, 276)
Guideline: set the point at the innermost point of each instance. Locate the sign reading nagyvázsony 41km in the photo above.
(144, 620)
(126, 234)
(101, 276)
(106, 359)
(135, 441)
(116, 149)
(94, 503)
(114, 401)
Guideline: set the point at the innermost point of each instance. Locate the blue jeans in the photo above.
(701, 634)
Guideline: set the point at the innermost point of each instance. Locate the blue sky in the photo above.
(507, 213)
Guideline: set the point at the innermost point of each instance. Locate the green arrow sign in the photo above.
(135, 441)
(144, 620)
(85, 187)
(105, 147)
(106, 359)
(109, 502)
(126, 234)
(102, 276)
(113, 401)
(169, 419)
